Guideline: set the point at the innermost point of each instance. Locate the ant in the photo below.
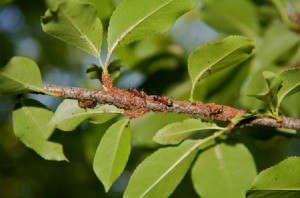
(138, 93)
(215, 111)
(87, 103)
(165, 100)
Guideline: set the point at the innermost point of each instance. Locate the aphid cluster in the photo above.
(138, 93)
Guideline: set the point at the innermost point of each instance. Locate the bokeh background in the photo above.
(158, 65)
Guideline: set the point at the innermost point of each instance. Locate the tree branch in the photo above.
(136, 103)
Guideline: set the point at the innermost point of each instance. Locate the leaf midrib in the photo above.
(211, 65)
(121, 130)
(86, 114)
(135, 25)
(183, 157)
(191, 130)
(83, 36)
(25, 84)
(27, 112)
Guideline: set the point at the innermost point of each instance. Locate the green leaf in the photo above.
(112, 153)
(158, 121)
(69, 115)
(20, 75)
(266, 58)
(176, 132)
(231, 16)
(282, 178)
(93, 71)
(135, 19)
(286, 9)
(215, 56)
(239, 118)
(77, 24)
(161, 172)
(270, 96)
(290, 85)
(277, 37)
(30, 122)
(104, 7)
(223, 171)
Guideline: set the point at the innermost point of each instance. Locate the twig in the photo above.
(136, 103)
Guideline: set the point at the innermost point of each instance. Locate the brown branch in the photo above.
(136, 103)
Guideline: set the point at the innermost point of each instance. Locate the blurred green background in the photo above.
(158, 65)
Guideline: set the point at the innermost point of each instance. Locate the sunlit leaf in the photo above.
(282, 178)
(112, 153)
(215, 56)
(104, 7)
(229, 168)
(20, 75)
(77, 24)
(226, 16)
(176, 132)
(69, 115)
(290, 85)
(161, 172)
(135, 19)
(30, 121)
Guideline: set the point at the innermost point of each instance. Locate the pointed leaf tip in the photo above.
(112, 153)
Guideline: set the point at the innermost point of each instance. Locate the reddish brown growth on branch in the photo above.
(136, 103)
(106, 81)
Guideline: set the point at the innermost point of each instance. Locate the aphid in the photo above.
(156, 98)
(143, 94)
(95, 91)
(169, 103)
(87, 103)
(78, 92)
